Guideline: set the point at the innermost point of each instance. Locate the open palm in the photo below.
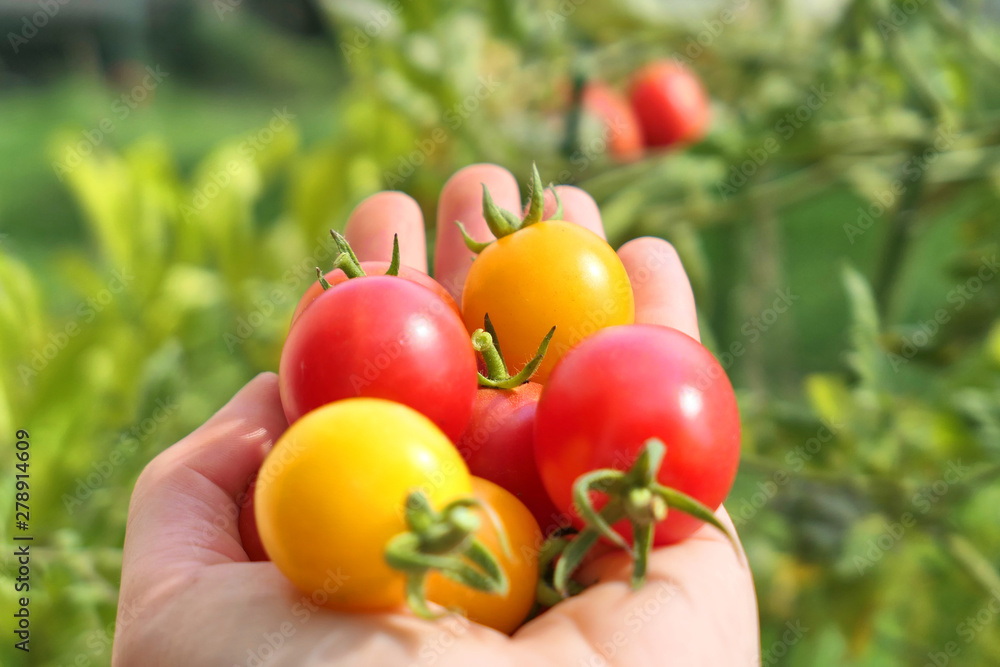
(191, 597)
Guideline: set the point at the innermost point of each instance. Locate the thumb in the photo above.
(185, 506)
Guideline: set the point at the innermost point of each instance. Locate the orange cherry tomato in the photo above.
(524, 538)
(551, 273)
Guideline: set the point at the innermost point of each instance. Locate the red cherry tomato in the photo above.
(373, 268)
(624, 385)
(249, 535)
(624, 135)
(381, 337)
(671, 104)
(499, 443)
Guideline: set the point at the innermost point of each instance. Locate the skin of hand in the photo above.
(190, 595)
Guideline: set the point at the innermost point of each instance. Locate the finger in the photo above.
(661, 287)
(698, 601)
(578, 207)
(185, 506)
(462, 200)
(373, 223)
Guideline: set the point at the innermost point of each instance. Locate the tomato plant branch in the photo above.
(972, 560)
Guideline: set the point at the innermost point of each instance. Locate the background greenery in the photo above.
(856, 402)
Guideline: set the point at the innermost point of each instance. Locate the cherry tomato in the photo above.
(331, 495)
(551, 273)
(504, 613)
(618, 122)
(373, 268)
(499, 445)
(382, 337)
(625, 385)
(671, 104)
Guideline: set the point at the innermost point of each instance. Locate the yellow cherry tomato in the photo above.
(331, 495)
(500, 612)
(551, 273)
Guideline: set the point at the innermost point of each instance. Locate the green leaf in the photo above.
(866, 357)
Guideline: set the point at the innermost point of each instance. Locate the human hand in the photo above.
(190, 595)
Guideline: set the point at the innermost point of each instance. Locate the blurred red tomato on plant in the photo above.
(621, 127)
(670, 103)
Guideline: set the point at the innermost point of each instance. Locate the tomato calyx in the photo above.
(503, 222)
(497, 376)
(545, 594)
(443, 541)
(348, 262)
(635, 495)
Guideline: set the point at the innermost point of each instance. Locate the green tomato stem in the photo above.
(496, 369)
(343, 245)
(471, 243)
(497, 219)
(491, 330)
(445, 542)
(536, 199)
(497, 376)
(346, 263)
(558, 214)
(503, 222)
(322, 279)
(635, 496)
(393, 269)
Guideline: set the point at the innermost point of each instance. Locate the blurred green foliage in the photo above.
(847, 278)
